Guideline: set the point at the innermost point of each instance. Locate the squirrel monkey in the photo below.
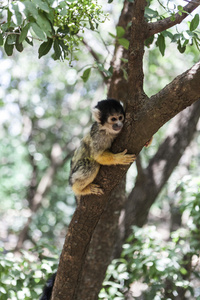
(93, 150)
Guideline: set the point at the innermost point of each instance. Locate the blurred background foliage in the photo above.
(44, 111)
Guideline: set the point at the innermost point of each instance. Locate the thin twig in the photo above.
(96, 58)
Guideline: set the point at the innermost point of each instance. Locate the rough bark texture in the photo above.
(143, 118)
(101, 246)
(118, 85)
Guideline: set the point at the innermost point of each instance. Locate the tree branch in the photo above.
(118, 84)
(164, 24)
(180, 134)
(136, 52)
(177, 95)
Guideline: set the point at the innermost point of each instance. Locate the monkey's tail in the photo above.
(47, 291)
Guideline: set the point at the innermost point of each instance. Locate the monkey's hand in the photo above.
(124, 159)
(108, 158)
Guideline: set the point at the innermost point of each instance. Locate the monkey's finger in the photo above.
(95, 189)
(124, 152)
(127, 159)
(131, 156)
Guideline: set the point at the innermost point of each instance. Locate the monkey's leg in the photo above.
(84, 176)
(109, 158)
(89, 189)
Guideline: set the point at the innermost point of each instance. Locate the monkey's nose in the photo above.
(117, 127)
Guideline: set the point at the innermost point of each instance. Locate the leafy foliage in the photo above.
(53, 23)
(24, 277)
(163, 268)
(181, 37)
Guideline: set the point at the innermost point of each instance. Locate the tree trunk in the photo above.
(143, 118)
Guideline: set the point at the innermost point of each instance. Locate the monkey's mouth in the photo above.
(117, 127)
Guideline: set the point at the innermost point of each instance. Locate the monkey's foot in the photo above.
(125, 159)
(95, 189)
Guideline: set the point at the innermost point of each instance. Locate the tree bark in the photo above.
(101, 247)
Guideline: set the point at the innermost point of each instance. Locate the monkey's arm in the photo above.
(109, 158)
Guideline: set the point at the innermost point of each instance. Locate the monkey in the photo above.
(94, 148)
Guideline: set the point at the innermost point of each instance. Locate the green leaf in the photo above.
(180, 8)
(181, 48)
(8, 48)
(86, 74)
(24, 33)
(38, 31)
(44, 24)
(30, 9)
(167, 34)
(45, 47)
(11, 39)
(110, 1)
(19, 45)
(42, 5)
(1, 39)
(149, 41)
(194, 23)
(161, 44)
(9, 16)
(124, 42)
(183, 271)
(16, 14)
(120, 31)
(29, 41)
(150, 12)
(57, 49)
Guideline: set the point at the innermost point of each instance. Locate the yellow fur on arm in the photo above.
(108, 158)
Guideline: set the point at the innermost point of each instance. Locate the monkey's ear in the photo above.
(96, 114)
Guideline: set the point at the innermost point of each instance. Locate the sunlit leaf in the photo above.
(124, 42)
(161, 44)
(86, 74)
(194, 23)
(45, 47)
(24, 33)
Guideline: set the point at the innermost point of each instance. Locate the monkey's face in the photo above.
(110, 115)
(114, 123)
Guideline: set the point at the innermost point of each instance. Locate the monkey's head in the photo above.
(110, 115)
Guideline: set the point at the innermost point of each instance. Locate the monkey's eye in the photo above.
(120, 118)
(113, 119)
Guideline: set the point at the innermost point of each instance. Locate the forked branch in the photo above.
(167, 23)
